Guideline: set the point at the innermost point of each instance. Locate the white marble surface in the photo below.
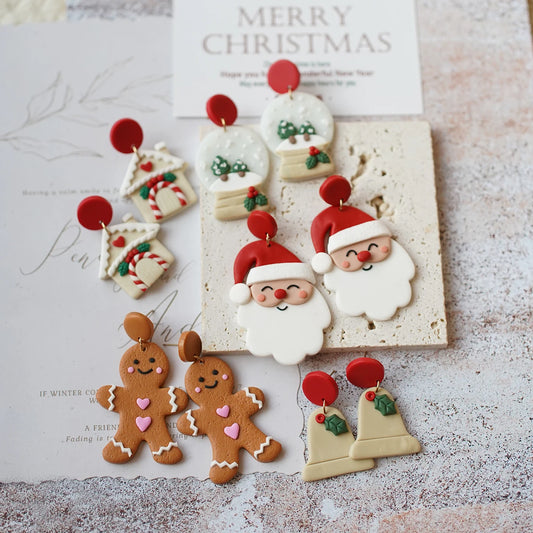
(470, 404)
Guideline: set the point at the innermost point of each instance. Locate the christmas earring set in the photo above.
(143, 403)
(156, 183)
(332, 449)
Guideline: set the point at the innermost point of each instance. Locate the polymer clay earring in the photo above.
(380, 428)
(297, 126)
(283, 312)
(329, 438)
(367, 269)
(130, 253)
(155, 179)
(232, 163)
(142, 402)
(224, 416)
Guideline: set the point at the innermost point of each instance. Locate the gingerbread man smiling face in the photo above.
(223, 416)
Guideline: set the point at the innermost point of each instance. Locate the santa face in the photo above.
(281, 293)
(357, 255)
(376, 292)
(288, 331)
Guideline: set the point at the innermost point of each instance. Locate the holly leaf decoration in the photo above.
(336, 425)
(261, 199)
(249, 204)
(384, 405)
(144, 192)
(311, 162)
(168, 176)
(144, 247)
(323, 157)
(123, 268)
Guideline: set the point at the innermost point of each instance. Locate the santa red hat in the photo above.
(341, 225)
(264, 260)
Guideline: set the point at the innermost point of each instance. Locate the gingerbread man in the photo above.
(142, 403)
(223, 416)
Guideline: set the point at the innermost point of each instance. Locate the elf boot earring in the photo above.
(297, 126)
(155, 179)
(380, 428)
(329, 438)
(232, 163)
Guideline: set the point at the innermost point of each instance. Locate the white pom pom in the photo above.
(321, 263)
(240, 294)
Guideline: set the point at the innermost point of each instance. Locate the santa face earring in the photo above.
(232, 163)
(367, 269)
(155, 179)
(380, 428)
(280, 307)
(329, 438)
(130, 253)
(297, 126)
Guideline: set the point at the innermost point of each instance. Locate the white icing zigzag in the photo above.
(253, 397)
(172, 399)
(111, 398)
(224, 463)
(191, 419)
(121, 446)
(262, 447)
(165, 448)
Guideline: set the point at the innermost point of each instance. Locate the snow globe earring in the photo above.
(297, 126)
(232, 162)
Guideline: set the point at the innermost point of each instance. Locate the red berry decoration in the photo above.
(320, 388)
(261, 224)
(283, 75)
(335, 189)
(313, 150)
(93, 211)
(365, 372)
(126, 134)
(320, 418)
(221, 110)
(370, 395)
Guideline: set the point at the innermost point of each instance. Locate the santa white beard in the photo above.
(377, 292)
(288, 335)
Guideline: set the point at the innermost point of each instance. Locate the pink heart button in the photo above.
(143, 422)
(232, 431)
(223, 411)
(143, 403)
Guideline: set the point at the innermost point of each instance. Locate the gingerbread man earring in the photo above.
(380, 428)
(224, 416)
(329, 438)
(142, 402)
(297, 126)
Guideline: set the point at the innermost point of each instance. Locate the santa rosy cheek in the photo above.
(159, 370)
(131, 370)
(260, 297)
(345, 264)
(384, 249)
(302, 294)
(198, 390)
(224, 377)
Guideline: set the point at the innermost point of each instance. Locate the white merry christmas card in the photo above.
(360, 57)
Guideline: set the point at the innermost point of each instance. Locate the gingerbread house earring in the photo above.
(130, 253)
(232, 163)
(297, 126)
(155, 179)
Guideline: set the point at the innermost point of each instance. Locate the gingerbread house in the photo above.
(132, 256)
(156, 182)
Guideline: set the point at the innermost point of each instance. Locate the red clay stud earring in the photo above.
(329, 438)
(297, 126)
(155, 179)
(130, 253)
(232, 163)
(380, 428)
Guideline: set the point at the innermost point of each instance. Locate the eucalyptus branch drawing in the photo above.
(57, 101)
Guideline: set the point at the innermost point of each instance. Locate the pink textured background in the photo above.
(470, 405)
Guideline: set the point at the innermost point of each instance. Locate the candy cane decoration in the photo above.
(133, 263)
(161, 185)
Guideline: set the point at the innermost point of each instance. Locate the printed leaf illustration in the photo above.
(50, 150)
(336, 425)
(384, 405)
(47, 103)
(286, 129)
